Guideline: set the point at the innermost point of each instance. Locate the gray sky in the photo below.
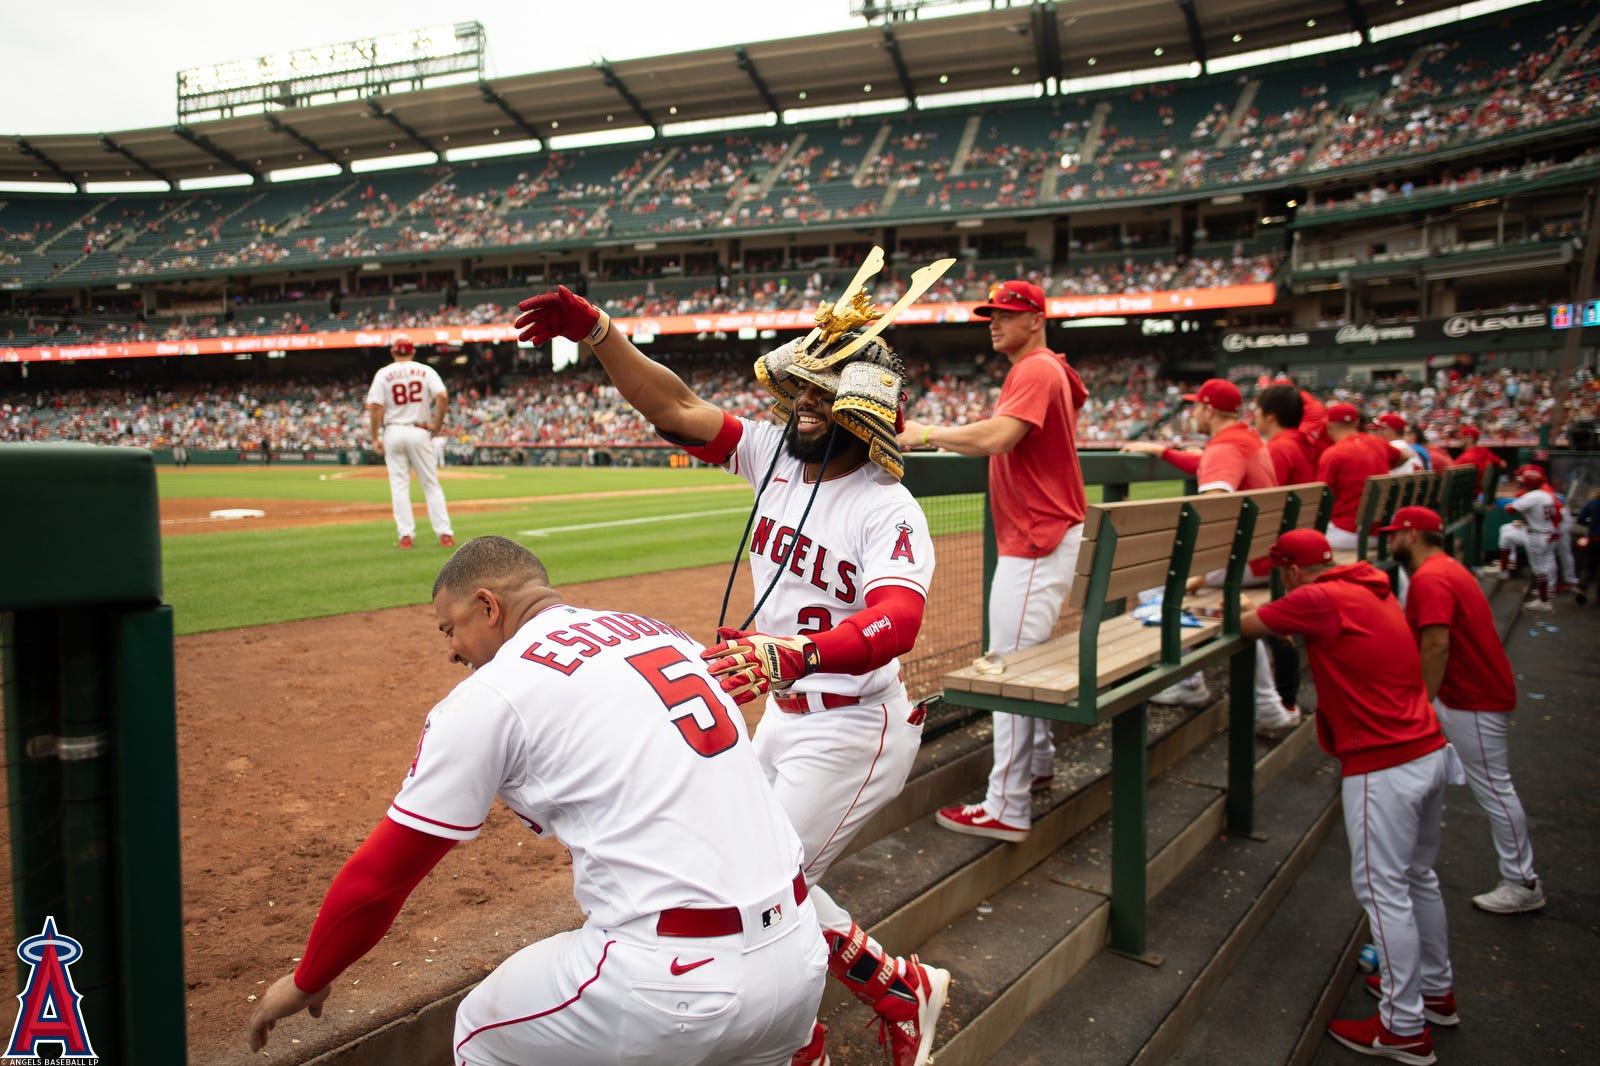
(91, 66)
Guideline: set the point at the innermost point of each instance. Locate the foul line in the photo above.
(629, 522)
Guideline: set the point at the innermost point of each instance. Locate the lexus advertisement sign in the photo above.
(1520, 329)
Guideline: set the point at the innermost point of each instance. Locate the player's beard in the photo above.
(1402, 555)
(809, 451)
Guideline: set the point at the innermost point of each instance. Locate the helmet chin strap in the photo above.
(744, 538)
(822, 472)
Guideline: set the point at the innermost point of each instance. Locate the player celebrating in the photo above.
(1540, 511)
(1473, 690)
(841, 558)
(406, 405)
(1373, 716)
(604, 730)
(1037, 499)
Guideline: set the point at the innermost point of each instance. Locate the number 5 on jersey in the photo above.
(688, 689)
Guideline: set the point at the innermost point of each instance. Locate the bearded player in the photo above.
(406, 406)
(841, 558)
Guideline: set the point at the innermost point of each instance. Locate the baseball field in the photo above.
(307, 659)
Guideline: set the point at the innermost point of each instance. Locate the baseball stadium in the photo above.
(1237, 362)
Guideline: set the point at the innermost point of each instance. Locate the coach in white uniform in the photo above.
(841, 557)
(604, 730)
(406, 406)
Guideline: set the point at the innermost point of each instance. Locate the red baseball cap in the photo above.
(1301, 547)
(1469, 431)
(1531, 475)
(1012, 296)
(1223, 395)
(1389, 421)
(1343, 412)
(1418, 518)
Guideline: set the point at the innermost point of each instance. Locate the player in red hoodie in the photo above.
(1375, 718)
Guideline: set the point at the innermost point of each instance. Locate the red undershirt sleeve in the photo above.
(871, 637)
(364, 898)
(718, 448)
(1188, 462)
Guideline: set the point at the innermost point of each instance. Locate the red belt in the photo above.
(713, 921)
(801, 704)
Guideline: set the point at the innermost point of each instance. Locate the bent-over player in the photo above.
(1540, 511)
(841, 558)
(1473, 690)
(406, 406)
(605, 730)
(1373, 716)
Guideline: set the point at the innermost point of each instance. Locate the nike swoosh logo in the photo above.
(681, 968)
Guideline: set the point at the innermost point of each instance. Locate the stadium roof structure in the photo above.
(1045, 43)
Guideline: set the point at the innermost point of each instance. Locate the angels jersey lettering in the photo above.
(864, 531)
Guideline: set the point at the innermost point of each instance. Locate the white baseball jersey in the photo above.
(405, 389)
(1410, 461)
(865, 531)
(604, 730)
(1539, 509)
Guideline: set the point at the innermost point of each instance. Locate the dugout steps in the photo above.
(1015, 924)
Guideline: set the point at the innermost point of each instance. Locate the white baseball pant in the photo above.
(406, 448)
(1542, 558)
(832, 770)
(1341, 540)
(1481, 738)
(1512, 538)
(1565, 566)
(1025, 601)
(1393, 819)
(605, 997)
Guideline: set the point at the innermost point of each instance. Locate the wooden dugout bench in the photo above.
(1114, 663)
(1451, 492)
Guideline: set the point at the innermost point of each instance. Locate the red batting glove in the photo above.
(748, 664)
(562, 313)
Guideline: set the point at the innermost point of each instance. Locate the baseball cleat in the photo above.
(1184, 693)
(1538, 605)
(1369, 1037)
(1043, 782)
(1440, 1010)
(973, 820)
(1508, 897)
(1276, 722)
(446, 541)
(911, 1039)
(815, 1053)
(405, 542)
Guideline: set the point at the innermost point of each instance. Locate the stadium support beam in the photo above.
(202, 142)
(494, 99)
(277, 126)
(49, 164)
(1046, 44)
(891, 44)
(1197, 40)
(377, 110)
(112, 146)
(616, 84)
(743, 62)
(1358, 20)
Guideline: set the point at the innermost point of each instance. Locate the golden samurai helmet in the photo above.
(844, 356)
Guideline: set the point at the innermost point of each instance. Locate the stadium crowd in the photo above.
(1130, 398)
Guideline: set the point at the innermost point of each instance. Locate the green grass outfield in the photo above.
(252, 577)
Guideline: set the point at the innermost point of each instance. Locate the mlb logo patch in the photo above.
(771, 916)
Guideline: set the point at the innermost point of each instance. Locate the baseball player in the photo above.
(1475, 455)
(841, 558)
(1037, 498)
(1539, 510)
(604, 730)
(1588, 530)
(406, 405)
(1279, 410)
(1373, 716)
(1345, 466)
(1392, 428)
(1473, 690)
(1235, 459)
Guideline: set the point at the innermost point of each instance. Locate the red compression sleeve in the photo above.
(718, 448)
(870, 638)
(364, 898)
(1188, 462)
